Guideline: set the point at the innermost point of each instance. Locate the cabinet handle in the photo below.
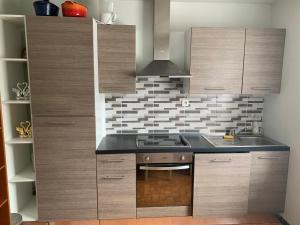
(269, 157)
(113, 178)
(61, 123)
(221, 160)
(262, 88)
(113, 161)
(214, 88)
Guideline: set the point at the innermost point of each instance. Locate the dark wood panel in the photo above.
(61, 65)
(65, 167)
(116, 45)
(217, 60)
(116, 186)
(221, 184)
(264, 52)
(268, 182)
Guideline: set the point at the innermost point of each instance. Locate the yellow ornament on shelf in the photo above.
(24, 130)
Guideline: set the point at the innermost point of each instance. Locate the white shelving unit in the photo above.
(19, 151)
(18, 141)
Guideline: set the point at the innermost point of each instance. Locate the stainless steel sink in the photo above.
(241, 141)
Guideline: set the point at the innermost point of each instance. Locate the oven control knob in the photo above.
(182, 158)
(147, 158)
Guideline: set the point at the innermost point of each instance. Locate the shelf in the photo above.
(16, 102)
(2, 202)
(17, 19)
(29, 211)
(26, 175)
(17, 141)
(13, 59)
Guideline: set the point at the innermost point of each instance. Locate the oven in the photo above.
(164, 184)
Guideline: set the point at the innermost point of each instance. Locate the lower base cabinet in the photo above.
(269, 171)
(221, 184)
(116, 177)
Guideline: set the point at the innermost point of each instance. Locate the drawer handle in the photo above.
(61, 123)
(221, 160)
(262, 88)
(113, 161)
(269, 157)
(113, 178)
(214, 89)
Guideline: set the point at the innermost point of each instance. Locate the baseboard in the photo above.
(282, 220)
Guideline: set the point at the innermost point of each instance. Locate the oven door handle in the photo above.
(160, 168)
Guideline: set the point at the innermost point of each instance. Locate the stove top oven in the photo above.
(164, 184)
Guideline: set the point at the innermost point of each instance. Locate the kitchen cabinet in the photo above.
(221, 184)
(264, 50)
(65, 168)
(216, 60)
(116, 176)
(116, 50)
(62, 80)
(268, 181)
(61, 65)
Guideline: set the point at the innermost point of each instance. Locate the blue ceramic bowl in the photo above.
(45, 8)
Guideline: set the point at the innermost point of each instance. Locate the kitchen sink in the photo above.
(241, 141)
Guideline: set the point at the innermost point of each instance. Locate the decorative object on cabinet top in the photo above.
(22, 91)
(24, 130)
(45, 8)
(109, 16)
(74, 9)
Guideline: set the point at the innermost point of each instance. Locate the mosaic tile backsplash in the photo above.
(157, 108)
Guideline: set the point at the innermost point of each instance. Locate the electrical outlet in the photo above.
(185, 103)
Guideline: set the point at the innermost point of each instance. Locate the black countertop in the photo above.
(122, 143)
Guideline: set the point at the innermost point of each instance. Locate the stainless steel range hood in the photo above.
(161, 66)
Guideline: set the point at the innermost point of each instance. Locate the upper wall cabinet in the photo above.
(116, 50)
(61, 65)
(216, 62)
(263, 61)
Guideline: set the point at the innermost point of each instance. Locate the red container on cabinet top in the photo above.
(73, 9)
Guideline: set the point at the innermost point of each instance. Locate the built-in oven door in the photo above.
(164, 185)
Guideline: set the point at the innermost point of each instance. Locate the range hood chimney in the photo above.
(161, 66)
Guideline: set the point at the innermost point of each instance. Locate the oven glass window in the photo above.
(159, 187)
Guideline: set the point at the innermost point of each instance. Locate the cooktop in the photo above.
(161, 141)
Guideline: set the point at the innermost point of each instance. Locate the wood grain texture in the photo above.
(245, 220)
(148, 212)
(221, 184)
(82, 222)
(65, 168)
(4, 198)
(61, 65)
(116, 186)
(116, 45)
(268, 181)
(264, 52)
(216, 60)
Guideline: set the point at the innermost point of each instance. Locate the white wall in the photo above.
(282, 112)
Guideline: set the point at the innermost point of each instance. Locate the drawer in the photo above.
(116, 178)
(116, 163)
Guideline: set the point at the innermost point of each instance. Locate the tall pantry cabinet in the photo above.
(62, 78)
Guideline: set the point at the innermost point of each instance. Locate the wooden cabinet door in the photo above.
(116, 186)
(116, 51)
(65, 168)
(61, 65)
(221, 184)
(216, 60)
(264, 51)
(268, 182)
